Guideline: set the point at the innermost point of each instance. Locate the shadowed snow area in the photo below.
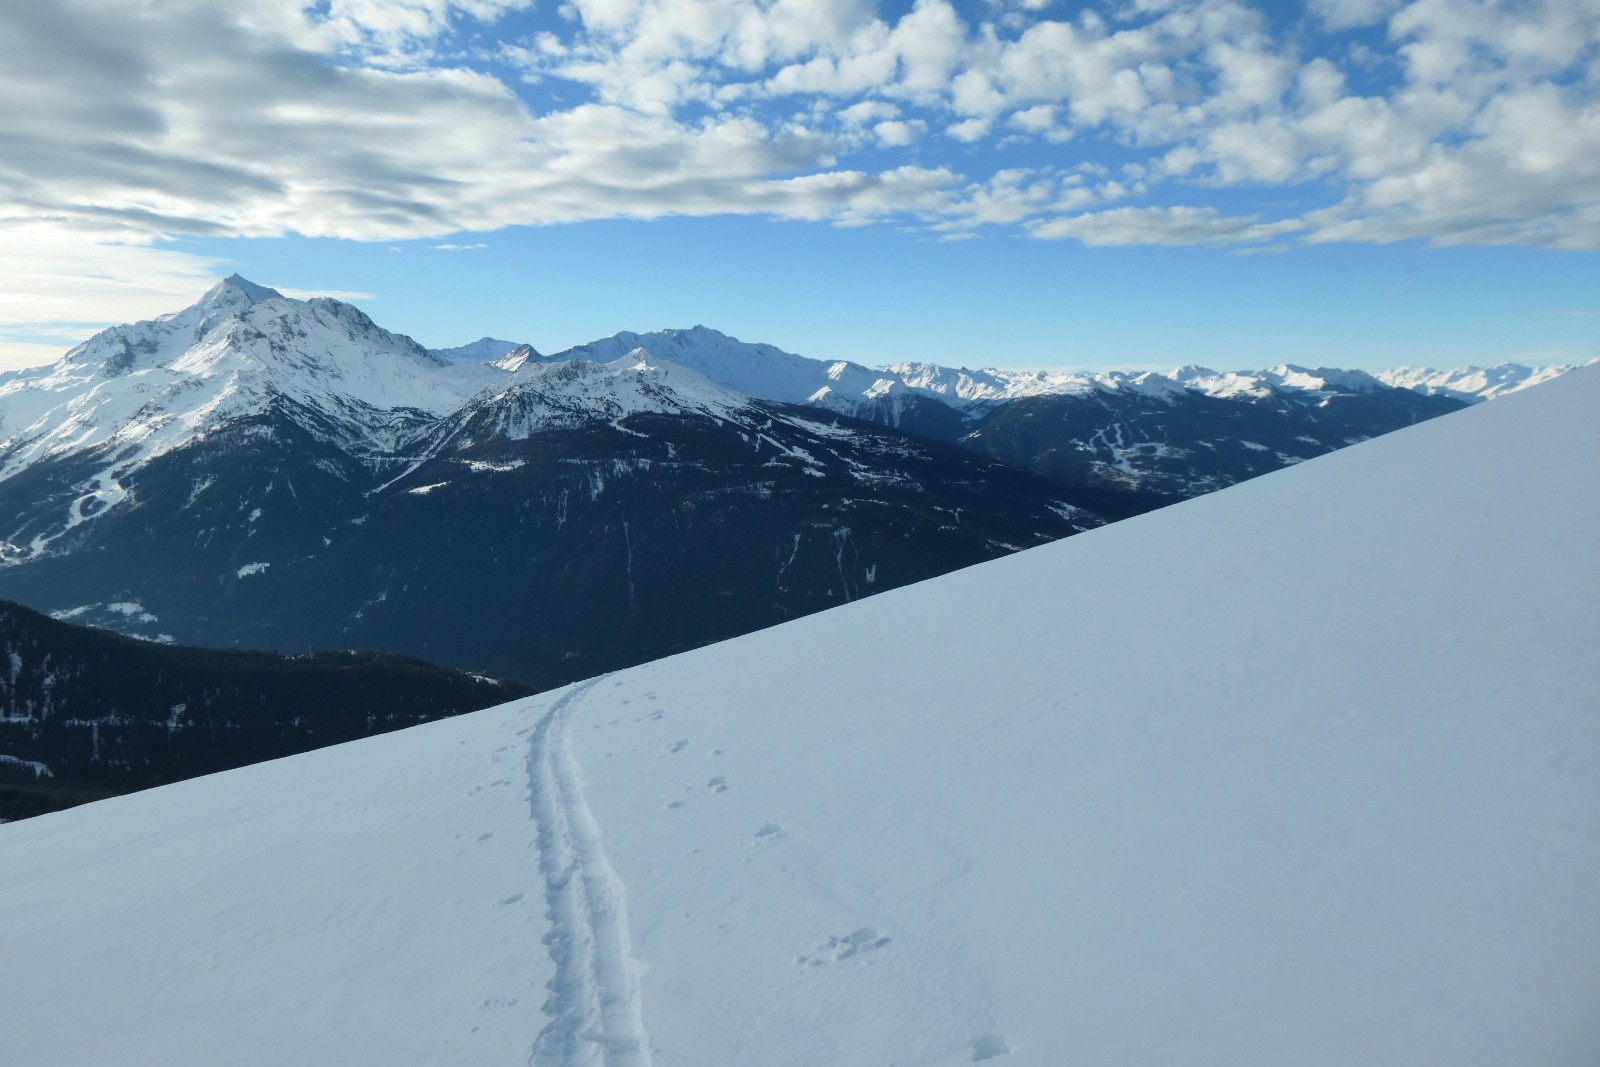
(1303, 772)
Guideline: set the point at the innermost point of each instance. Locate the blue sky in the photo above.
(1002, 182)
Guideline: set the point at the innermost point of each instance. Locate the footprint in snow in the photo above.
(676, 746)
(849, 946)
(989, 1046)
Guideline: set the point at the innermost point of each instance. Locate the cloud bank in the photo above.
(1131, 122)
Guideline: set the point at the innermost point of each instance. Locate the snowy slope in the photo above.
(544, 396)
(1303, 772)
(1471, 384)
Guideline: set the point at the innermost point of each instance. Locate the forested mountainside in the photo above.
(86, 714)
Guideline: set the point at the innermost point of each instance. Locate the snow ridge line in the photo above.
(596, 1014)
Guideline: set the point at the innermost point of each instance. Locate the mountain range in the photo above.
(1155, 437)
(265, 472)
(272, 473)
(1305, 771)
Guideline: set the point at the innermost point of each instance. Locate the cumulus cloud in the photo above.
(1348, 14)
(1452, 121)
(1164, 226)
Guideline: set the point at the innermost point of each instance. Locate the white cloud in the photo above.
(1041, 118)
(1009, 197)
(1162, 225)
(970, 130)
(1348, 14)
(57, 282)
(460, 248)
(867, 111)
(896, 134)
(282, 136)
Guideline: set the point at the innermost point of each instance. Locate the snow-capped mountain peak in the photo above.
(135, 392)
(235, 289)
(636, 382)
(756, 370)
(515, 359)
(483, 350)
(1323, 379)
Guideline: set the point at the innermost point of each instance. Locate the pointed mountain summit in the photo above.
(234, 287)
(241, 351)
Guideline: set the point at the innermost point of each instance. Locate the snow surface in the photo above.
(33, 767)
(1306, 771)
(1471, 384)
(576, 392)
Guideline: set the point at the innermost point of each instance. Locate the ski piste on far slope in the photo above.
(1332, 804)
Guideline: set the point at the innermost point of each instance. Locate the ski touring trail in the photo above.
(596, 1016)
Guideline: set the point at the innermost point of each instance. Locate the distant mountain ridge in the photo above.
(1146, 432)
(771, 373)
(273, 472)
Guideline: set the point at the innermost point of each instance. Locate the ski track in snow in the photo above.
(596, 1015)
